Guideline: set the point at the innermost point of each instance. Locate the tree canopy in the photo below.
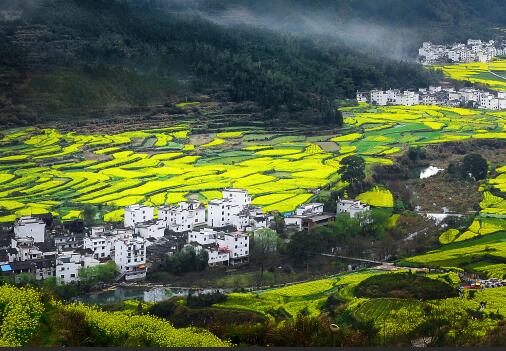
(353, 169)
(474, 165)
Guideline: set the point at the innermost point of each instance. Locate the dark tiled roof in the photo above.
(46, 246)
(22, 265)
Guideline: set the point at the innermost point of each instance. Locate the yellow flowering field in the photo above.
(162, 165)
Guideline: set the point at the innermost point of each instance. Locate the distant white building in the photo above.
(234, 209)
(492, 101)
(102, 241)
(237, 196)
(183, 216)
(407, 98)
(137, 214)
(101, 246)
(309, 209)
(68, 265)
(390, 97)
(362, 96)
(352, 207)
(252, 218)
(225, 212)
(232, 246)
(130, 257)
(25, 249)
(469, 94)
(437, 95)
(378, 97)
(25, 227)
(68, 241)
(217, 256)
(474, 51)
(309, 216)
(152, 229)
(221, 213)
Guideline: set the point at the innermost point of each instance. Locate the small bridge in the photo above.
(354, 259)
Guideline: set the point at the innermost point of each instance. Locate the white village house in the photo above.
(474, 50)
(223, 248)
(101, 246)
(68, 265)
(137, 214)
(352, 207)
(152, 229)
(308, 216)
(183, 216)
(436, 95)
(26, 227)
(130, 257)
(224, 212)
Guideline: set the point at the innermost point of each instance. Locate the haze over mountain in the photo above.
(61, 58)
(389, 27)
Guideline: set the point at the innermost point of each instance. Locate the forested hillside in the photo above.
(408, 21)
(72, 57)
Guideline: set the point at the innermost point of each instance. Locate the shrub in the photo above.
(404, 285)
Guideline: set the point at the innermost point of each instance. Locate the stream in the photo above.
(145, 294)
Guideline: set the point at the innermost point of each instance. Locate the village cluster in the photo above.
(223, 230)
(473, 51)
(436, 95)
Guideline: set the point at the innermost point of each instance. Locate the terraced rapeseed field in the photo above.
(158, 166)
(479, 72)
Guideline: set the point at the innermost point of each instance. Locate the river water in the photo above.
(146, 294)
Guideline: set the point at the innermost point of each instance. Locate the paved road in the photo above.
(495, 74)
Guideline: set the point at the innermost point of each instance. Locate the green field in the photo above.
(288, 301)
(481, 248)
(487, 251)
(391, 316)
(44, 170)
(479, 72)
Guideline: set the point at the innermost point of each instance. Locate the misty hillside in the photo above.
(391, 27)
(68, 58)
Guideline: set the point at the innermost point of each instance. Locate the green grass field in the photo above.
(489, 250)
(391, 316)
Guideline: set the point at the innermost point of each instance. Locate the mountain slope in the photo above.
(74, 57)
(390, 27)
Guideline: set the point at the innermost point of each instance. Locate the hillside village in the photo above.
(430, 54)
(222, 230)
(473, 51)
(436, 95)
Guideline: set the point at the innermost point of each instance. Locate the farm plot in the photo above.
(135, 167)
(469, 251)
(479, 72)
(284, 302)
(281, 171)
(488, 250)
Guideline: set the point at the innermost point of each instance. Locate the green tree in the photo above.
(353, 169)
(474, 165)
(187, 260)
(102, 273)
(24, 279)
(265, 243)
(89, 214)
(279, 222)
